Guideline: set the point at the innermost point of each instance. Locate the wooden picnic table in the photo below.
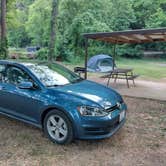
(120, 73)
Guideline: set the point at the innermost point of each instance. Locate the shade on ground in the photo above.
(143, 89)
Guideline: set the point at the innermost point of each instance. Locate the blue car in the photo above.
(60, 102)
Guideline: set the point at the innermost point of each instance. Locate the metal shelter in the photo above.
(122, 37)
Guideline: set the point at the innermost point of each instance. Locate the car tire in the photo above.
(58, 127)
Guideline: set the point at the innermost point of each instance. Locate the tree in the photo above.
(3, 19)
(38, 23)
(3, 44)
(77, 17)
(121, 15)
(53, 21)
(57, 26)
(143, 11)
(17, 16)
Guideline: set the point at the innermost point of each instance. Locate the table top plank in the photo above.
(121, 70)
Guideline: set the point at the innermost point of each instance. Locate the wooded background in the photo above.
(59, 32)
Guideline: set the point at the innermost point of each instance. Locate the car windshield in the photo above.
(53, 74)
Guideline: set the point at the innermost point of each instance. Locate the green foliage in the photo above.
(129, 51)
(37, 25)
(42, 54)
(121, 15)
(29, 24)
(3, 48)
(84, 23)
(17, 16)
(73, 20)
(158, 19)
(18, 37)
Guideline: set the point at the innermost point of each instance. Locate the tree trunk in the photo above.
(3, 19)
(3, 49)
(54, 14)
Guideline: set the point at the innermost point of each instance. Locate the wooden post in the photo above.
(86, 57)
(114, 54)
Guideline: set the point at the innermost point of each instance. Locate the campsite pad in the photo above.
(143, 89)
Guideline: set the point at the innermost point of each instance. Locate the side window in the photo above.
(15, 75)
(2, 71)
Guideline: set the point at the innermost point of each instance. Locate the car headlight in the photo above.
(91, 111)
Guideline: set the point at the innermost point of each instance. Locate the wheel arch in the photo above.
(48, 109)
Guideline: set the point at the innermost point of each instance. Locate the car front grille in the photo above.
(113, 107)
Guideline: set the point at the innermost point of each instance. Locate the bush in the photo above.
(129, 51)
(42, 54)
(3, 48)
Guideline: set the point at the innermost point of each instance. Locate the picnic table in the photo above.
(120, 73)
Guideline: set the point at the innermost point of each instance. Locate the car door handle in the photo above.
(2, 88)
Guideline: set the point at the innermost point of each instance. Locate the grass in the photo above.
(20, 51)
(146, 68)
(140, 142)
(154, 69)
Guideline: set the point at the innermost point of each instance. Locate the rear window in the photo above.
(2, 68)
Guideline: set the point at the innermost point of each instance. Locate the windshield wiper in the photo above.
(77, 80)
(52, 85)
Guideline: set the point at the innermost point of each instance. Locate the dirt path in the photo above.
(144, 89)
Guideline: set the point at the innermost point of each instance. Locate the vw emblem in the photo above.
(118, 105)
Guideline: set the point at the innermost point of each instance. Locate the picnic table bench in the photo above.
(120, 73)
(79, 70)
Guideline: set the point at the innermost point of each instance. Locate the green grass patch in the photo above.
(146, 68)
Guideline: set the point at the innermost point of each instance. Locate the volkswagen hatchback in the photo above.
(60, 102)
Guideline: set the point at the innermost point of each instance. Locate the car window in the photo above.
(2, 70)
(53, 74)
(15, 75)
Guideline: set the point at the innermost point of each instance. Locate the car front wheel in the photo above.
(58, 127)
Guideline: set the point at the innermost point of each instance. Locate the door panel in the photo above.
(2, 93)
(21, 103)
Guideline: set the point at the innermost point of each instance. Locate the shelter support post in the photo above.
(114, 54)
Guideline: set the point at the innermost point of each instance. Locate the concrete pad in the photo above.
(144, 89)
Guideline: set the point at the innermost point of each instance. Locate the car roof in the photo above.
(8, 62)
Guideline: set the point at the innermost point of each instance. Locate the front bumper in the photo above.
(101, 134)
(101, 127)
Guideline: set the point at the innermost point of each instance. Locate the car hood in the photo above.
(102, 95)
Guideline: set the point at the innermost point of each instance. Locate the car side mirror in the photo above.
(26, 85)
